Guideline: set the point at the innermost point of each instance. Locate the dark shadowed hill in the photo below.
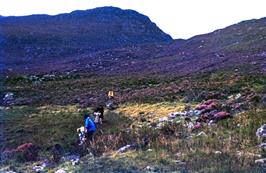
(113, 41)
(38, 37)
(246, 35)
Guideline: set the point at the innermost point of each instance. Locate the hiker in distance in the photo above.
(86, 131)
(98, 113)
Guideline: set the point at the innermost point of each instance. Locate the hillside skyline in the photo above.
(179, 19)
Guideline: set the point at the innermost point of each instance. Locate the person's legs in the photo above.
(89, 135)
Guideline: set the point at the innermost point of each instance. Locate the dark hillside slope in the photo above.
(243, 36)
(242, 44)
(239, 46)
(37, 38)
(131, 44)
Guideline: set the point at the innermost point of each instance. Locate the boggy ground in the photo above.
(227, 146)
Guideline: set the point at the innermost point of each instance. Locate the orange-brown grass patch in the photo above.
(153, 111)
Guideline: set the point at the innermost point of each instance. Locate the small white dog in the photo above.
(82, 135)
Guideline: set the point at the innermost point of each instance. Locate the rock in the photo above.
(180, 113)
(260, 161)
(111, 105)
(60, 171)
(261, 132)
(39, 168)
(211, 122)
(202, 134)
(163, 119)
(74, 159)
(8, 98)
(190, 125)
(237, 97)
(160, 125)
(217, 152)
(262, 145)
(187, 113)
(173, 115)
(192, 113)
(124, 148)
(150, 168)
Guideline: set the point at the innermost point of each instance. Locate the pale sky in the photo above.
(179, 18)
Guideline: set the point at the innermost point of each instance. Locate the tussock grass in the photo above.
(152, 111)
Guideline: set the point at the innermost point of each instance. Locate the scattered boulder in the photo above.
(261, 132)
(150, 168)
(111, 105)
(260, 161)
(173, 115)
(190, 125)
(217, 152)
(202, 134)
(39, 168)
(144, 142)
(8, 98)
(163, 119)
(262, 145)
(60, 171)
(74, 159)
(124, 148)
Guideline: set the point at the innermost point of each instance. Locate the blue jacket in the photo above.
(89, 124)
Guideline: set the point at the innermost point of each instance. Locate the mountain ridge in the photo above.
(239, 44)
(49, 37)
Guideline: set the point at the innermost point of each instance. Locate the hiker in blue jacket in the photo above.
(89, 125)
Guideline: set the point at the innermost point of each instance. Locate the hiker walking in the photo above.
(98, 113)
(89, 126)
(86, 131)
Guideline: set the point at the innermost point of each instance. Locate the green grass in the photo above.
(45, 126)
(53, 119)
